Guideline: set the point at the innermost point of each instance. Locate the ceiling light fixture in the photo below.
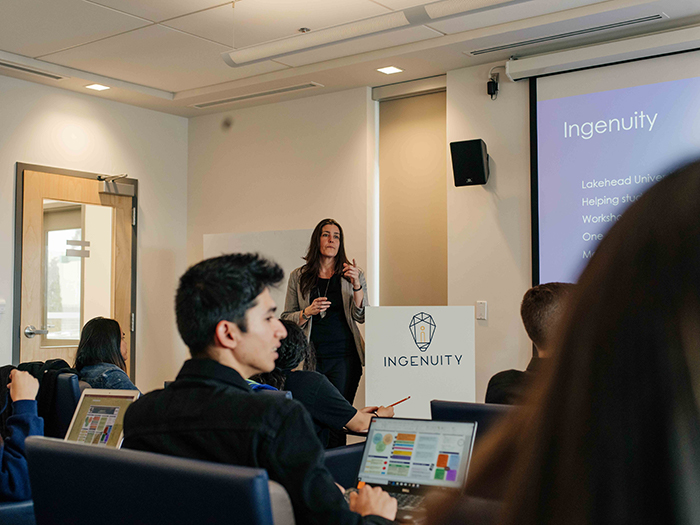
(390, 70)
(97, 87)
(410, 17)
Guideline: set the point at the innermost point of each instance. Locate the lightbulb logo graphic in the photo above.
(422, 329)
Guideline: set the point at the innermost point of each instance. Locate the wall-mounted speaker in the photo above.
(470, 162)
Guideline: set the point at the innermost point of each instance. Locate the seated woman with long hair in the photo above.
(100, 360)
(612, 434)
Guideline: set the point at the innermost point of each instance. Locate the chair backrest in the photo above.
(73, 483)
(67, 398)
(17, 513)
(484, 414)
(344, 463)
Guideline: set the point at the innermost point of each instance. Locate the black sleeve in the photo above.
(324, 402)
(295, 460)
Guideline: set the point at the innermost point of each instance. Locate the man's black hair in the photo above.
(218, 289)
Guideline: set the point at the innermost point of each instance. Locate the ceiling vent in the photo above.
(30, 70)
(260, 94)
(569, 34)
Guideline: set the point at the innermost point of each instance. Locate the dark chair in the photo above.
(344, 463)
(484, 414)
(67, 398)
(17, 513)
(74, 483)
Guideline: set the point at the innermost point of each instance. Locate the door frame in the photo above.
(17, 273)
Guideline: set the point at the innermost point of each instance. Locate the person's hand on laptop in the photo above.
(22, 385)
(373, 501)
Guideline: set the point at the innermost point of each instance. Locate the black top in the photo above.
(210, 413)
(509, 387)
(330, 333)
(328, 408)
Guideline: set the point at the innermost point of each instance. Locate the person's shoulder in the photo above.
(504, 387)
(507, 375)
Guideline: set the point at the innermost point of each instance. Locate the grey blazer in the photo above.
(295, 303)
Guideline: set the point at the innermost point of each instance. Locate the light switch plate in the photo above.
(481, 311)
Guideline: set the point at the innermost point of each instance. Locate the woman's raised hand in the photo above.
(352, 273)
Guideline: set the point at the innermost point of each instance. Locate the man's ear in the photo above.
(227, 334)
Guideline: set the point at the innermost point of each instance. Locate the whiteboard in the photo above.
(285, 247)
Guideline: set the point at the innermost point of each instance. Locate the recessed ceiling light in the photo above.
(389, 70)
(97, 87)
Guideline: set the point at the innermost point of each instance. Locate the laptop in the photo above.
(99, 417)
(409, 457)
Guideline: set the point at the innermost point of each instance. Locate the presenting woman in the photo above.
(327, 298)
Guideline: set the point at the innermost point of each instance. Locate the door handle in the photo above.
(30, 332)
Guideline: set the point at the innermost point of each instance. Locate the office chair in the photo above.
(344, 463)
(486, 415)
(80, 484)
(17, 513)
(67, 398)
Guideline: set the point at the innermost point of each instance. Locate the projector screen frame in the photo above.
(534, 167)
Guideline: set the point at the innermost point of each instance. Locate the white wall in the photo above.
(284, 166)
(288, 165)
(489, 226)
(52, 127)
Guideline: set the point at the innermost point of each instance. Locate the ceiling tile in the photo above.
(214, 24)
(398, 5)
(253, 23)
(158, 57)
(159, 10)
(34, 28)
(361, 45)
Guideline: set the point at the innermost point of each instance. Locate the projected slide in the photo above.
(599, 152)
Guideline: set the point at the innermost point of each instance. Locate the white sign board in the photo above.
(426, 352)
(285, 247)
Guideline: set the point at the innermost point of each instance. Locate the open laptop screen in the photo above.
(415, 453)
(99, 417)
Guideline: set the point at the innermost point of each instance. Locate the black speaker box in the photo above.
(470, 162)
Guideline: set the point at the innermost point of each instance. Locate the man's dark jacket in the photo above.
(510, 386)
(210, 413)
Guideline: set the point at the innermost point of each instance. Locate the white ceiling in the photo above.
(166, 54)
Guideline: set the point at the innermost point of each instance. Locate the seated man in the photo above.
(540, 310)
(226, 317)
(328, 408)
(24, 422)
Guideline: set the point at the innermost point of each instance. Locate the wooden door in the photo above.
(39, 188)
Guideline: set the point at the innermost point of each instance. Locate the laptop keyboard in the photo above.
(405, 501)
(408, 501)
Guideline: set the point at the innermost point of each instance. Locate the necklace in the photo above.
(323, 314)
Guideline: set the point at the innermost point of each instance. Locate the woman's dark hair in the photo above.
(293, 350)
(612, 434)
(100, 342)
(309, 272)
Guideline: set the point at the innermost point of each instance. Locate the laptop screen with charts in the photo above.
(412, 455)
(99, 418)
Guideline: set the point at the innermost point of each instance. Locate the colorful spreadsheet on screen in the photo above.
(98, 425)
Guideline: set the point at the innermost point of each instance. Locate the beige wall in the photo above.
(52, 127)
(489, 226)
(284, 166)
(413, 201)
(287, 165)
